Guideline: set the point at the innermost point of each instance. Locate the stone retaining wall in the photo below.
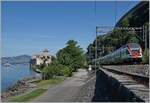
(109, 89)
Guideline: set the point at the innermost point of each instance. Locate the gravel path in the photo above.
(68, 91)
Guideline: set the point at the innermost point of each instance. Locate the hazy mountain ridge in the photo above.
(16, 59)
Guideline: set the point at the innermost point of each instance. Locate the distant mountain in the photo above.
(16, 60)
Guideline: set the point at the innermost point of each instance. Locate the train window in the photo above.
(135, 50)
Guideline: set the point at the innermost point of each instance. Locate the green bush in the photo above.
(145, 58)
(47, 72)
(66, 71)
(56, 70)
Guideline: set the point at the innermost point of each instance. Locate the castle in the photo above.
(39, 59)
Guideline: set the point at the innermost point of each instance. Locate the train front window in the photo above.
(137, 51)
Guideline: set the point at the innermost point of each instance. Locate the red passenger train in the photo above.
(129, 53)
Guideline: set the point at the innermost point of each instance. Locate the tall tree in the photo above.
(71, 55)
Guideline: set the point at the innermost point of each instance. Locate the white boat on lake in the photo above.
(7, 64)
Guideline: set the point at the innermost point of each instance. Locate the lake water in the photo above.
(10, 75)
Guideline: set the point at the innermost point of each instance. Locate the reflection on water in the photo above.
(11, 74)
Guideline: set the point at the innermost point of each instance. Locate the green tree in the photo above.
(72, 43)
(125, 22)
(133, 40)
(71, 55)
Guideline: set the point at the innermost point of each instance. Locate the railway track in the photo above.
(137, 84)
(139, 78)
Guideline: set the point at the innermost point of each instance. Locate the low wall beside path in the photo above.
(108, 89)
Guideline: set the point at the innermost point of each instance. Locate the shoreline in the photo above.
(39, 88)
(20, 87)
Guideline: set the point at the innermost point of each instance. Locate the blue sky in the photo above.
(29, 27)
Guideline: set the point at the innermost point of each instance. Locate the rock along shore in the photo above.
(20, 87)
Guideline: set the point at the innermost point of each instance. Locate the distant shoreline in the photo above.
(21, 59)
(3, 64)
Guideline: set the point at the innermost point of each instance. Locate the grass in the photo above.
(42, 87)
(29, 96)
(46, 83)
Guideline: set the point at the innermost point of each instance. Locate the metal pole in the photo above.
(145, 30)
(96, 50)
(115, 11)
(95, 8)
(90, 60)
(143, 33)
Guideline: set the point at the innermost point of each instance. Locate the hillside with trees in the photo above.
(16, 59)
(113, 40)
